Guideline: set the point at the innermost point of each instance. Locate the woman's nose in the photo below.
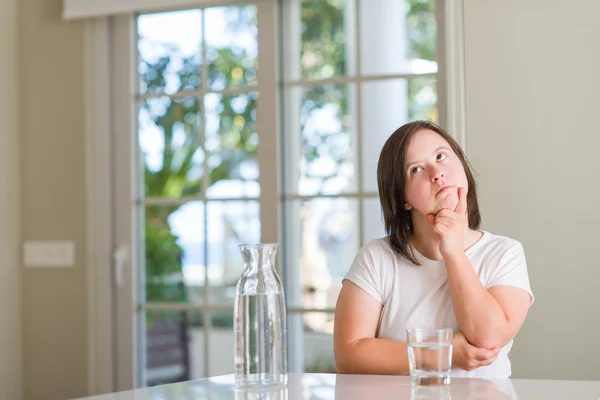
(437, 174)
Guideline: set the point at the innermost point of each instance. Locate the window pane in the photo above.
(170, 144)
(174, 251)
(230, 223)
(324, 39)
(385, 109)
(422, 99)
(397, 36)
(169, 51)
(321, 242)
(231, 46)
(387, 105)
(171, 347)
(373, 227)
(318, 343)
(231, 143)
(221, 342)
(319, 154)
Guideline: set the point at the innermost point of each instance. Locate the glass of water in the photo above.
(429, 355)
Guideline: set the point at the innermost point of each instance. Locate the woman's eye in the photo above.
(414, 170)
(441, 157)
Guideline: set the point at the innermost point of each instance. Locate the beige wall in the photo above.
(532, 103)
(52, 166)
(10, 290)
(530, 95)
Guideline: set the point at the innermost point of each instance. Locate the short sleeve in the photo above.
(512, 270)
(366, 271)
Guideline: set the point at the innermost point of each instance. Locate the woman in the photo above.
(434, 269)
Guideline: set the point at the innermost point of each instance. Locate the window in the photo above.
(199, 185)
(353, 72)
(206, 85)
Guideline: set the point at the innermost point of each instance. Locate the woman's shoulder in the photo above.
(380, 247)
(381, 243)
(380, 253)
(500, 240)
(496, 244)
(370, 269)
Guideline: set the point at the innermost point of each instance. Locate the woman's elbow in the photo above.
(342, 364)
(486, 343)
(341, 368)
(490, 338)
(343, 359)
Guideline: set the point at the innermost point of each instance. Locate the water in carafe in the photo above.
(260, 320)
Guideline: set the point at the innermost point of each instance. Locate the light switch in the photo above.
(49, 254)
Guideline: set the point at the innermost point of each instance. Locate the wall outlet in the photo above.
(49, 254)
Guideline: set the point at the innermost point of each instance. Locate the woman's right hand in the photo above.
(468, 357)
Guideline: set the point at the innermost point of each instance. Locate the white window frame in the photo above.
(111, 126)
(450, 104)
(109, 88)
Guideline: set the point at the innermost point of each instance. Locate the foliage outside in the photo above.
(180, 170)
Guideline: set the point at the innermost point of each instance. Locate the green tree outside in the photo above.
(323, 45)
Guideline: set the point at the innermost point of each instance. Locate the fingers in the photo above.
(461, 207)
(430, 218)
(442, 219)
(440, 229)
(474, 364)
(469, 357)
(443, 213)
(477, 357)
(484, 354)
(446, 217)
(488, 361)
(442, 222)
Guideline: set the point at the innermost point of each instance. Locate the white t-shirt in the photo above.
(419, 296)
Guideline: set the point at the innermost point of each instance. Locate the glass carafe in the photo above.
(260, 320)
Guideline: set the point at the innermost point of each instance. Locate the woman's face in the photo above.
(433, 174)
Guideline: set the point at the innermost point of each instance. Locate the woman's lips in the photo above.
(442, 190)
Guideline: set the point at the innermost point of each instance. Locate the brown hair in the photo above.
(391, 181)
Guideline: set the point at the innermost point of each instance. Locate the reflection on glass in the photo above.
(231, 143)
(397, 37)
(322, 237)
(169, 140)
(221, 341)
(267, 393)
(169, 51)
(320, 157)
(384, 109)
(318, 343)
(422, 99)
(174, 237)
(367, 387)
(230, 223)
(231, 46)
(387, 105)
(175, 346)
(324, 39)
(171, 347)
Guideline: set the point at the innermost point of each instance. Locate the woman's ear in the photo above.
(407, 206)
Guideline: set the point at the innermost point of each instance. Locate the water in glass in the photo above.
(430, 355)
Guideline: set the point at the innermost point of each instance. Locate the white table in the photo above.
(366, 387)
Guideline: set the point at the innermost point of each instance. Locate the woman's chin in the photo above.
(449, 201)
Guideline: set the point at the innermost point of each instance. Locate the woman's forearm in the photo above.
(478, 314)
(373, 356)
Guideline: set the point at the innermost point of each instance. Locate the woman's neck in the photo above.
(427, 242)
